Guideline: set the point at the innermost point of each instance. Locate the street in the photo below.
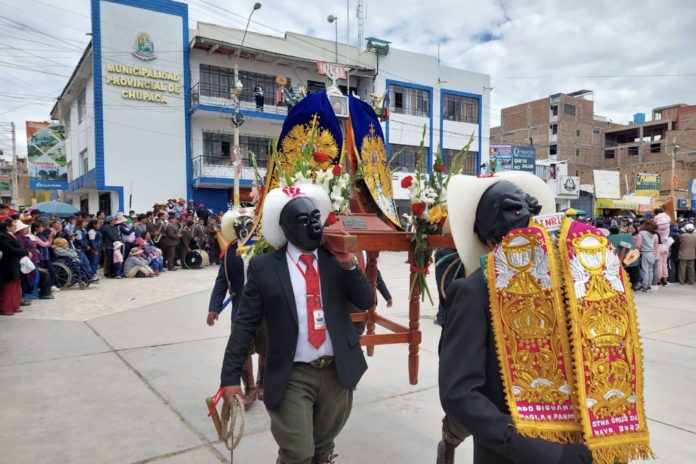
(118, 373)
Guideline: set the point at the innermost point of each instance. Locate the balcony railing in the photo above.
(217, 95)
(221, 167)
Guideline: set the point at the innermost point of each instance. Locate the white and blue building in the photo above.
(148, 114)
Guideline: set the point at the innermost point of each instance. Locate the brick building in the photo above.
(650, 145)
(560, 125)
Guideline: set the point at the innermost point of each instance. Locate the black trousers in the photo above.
(108, 262)
(170, 256)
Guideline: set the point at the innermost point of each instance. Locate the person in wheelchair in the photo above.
(63, 252)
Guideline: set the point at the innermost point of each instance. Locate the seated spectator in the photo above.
(62, 250)
(136, 265)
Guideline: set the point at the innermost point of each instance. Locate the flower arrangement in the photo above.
(428, 194)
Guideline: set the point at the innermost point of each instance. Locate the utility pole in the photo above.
(675, 148)
(15, 174)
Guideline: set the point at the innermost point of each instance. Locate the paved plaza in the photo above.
(118, 373)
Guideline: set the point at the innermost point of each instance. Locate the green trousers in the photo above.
(312, 413)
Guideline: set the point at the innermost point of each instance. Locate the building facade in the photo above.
(149, 113)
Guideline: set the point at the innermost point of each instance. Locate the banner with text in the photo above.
(46, 156)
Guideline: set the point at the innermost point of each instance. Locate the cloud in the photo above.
(635, 55)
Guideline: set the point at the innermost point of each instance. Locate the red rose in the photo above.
(418, 208)
(320, 157)
(331, 219)
(442, 167)
(406, 182)
(337, 170)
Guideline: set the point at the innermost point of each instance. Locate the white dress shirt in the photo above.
(305, 351)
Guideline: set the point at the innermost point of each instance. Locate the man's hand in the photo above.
(342, 258)
(212, 318)
(230, 392)
(389, 303)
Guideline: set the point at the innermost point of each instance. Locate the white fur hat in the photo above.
(230, 218)
(279, 197)
(464, 194)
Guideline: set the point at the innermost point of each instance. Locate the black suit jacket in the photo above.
(232, 268)
(268, 295)
(471, 389)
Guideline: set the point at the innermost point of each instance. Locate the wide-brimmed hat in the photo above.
(120, 219)
(19, 225)
(59, 242)
(279, 197)
(135, 251)
(230, 218)
(464, 194)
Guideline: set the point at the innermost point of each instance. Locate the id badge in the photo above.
(319, 322)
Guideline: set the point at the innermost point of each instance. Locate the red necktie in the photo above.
(315, 336)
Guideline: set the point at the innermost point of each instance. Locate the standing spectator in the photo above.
(181, 208)
(12, 252)
(665, 242)
(43, 259)
(118, 259)
(136, 265)
(202, 213)
(186, 239)
(211, 233)
(150, 223)
(674, 253)
(28, 241)
(687, 255)
(69, 225)
(259, 96)
(159, 227)
(140, 226)
(200, 238)
(127, 234)
(172, 237)
(191, 208)
(648, 245)
(95, 243)
(111, 235)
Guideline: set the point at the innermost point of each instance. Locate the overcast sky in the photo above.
(635, 54)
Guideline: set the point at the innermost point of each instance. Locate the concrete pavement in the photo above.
(119, 373)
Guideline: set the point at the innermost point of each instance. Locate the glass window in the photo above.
(256, 145)
(217, 82)
(459, 108)
(84, 162)
(554, 110)
(403, 157)
(553, 150)
(554, 129)
(569, 109)
(81, 105)
(217, 148)
(406, 100)
(469, 163)
(608, 154)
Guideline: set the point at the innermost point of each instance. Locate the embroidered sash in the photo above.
(606, 346)
(529, 326)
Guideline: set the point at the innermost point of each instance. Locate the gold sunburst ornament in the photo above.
(307, 138)
(376, 173)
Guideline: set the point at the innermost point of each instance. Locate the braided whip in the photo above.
(227, 424)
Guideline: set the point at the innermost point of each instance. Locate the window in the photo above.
(459, 108)
(554, 129)
(577, 152)
(403, 157)
(84, 163)
(259, 146)
(406, 100)
(469, 162)
(217, 148)
(633, 151)
(577, 133)
(608, 154)
(655, 148)
(554, 110)
(553, 150)
(81, 105)
(217, 82)
(595, 130)
(569, 109)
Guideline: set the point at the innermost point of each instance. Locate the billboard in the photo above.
(513, 157)
(648, 185)
(46, 156)
(606, 184)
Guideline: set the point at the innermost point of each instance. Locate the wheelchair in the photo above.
(66, 276)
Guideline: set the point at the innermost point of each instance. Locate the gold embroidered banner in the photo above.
(608, 364)
(531, 337)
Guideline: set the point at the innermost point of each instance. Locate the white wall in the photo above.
(144, 142)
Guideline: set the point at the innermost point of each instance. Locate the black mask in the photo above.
(243, 227)
(301, 223)
(503, 207)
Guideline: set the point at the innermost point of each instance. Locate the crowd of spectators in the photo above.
(655, 250)
(93, 246)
